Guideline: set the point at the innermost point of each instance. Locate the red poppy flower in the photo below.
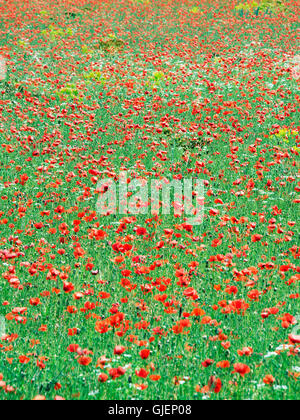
(84, 360)
(241, 369)
(145, 353)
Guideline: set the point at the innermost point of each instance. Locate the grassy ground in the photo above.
(145, 306)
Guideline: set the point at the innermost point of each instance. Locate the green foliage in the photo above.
(52, 33)
(274, 6)
(110, 44)
(69, 91)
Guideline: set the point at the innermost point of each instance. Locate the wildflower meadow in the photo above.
(149, 200)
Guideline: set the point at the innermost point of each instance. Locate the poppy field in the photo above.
(147, 305)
